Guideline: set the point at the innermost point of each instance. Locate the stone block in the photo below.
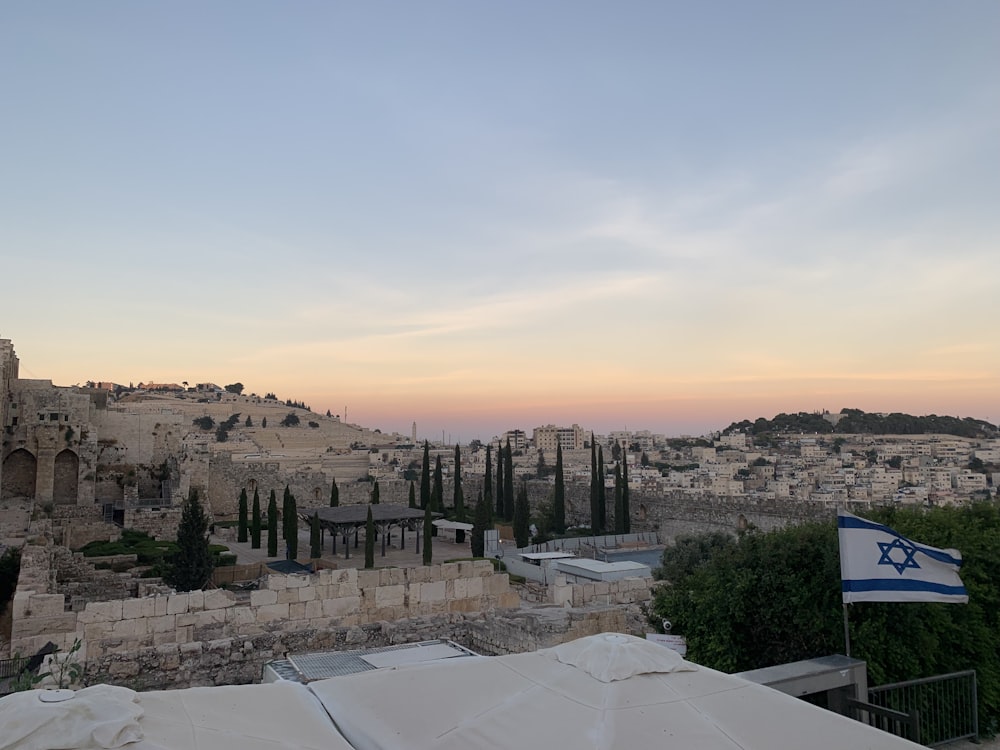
(368, 579)
(463, 605)
(287, 596)
(276, 582)
(21, 607)
(496, 584)
(346, 588)
(297, 611)
(177, 604)
(164, 624)
(509, 600)
(128, 628)
(47, 605)
(220, 644)
(483, 567)
(272, 612)
(466, 569)
(39, 626)
(147, 607)
(218, 599)
(342, 607)
(132, 608)
(397, 577)
(297, 582)
(190, 649)
(314, 609)
(460, 588)
(384, 577)
(390, 596)
(307, 594)
(164, 639)
(263, 597)
(160, 605)
(196, 600)
(184, 620)
(209, 617)
(449, 571)
(474, 587)
(94, 634)
(432, 592)
(240, 617)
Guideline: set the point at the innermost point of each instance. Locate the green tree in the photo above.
(488, 481)
(413, 495)
(191, 565)
(499, 483)
(437, 494)
(508, 483)
(370, 540)
(375, 494)
(315, 547)
(602, 502)
(272, 526)
(255, 521)
(236, 388)
(290, 420)
(425, 477)
(541, 469)
(293, 529)
(249, 422)
(626, 502)
(775, 597)
(691, 551)
(480, 523)
(241, 523)
(459, 496)
(619, 515)
(334, 494)
(595, 508)
(428, 552)
(559, 499)
(263, 422)
(522, 520)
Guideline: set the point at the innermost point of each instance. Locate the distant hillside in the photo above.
(854, 421)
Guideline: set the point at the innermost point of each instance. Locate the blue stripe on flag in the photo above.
(901, 584)
(853, 522)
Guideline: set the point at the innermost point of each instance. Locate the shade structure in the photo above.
(237, 717)
(605, 691)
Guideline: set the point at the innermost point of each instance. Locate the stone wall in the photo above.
(159, 523)
(328, 599)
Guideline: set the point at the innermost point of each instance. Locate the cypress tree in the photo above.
(602, 499)
(191, 565)
(559, 501)
(293, 529)
(315, 548)
(272, 526)
(522, 511)
(285, 514)
(437, 494)
(425, 477)
(370, 540)
(413, 495)
(595, 511)
(428, 554)
(481, 522)
(255, 522)
(626, 511)
(241, 524)
(618, 499)
(498, 499)
(334, 494)
(459, 497)
(263, 422)
(508, 483)
(375, 499)
(488, 480)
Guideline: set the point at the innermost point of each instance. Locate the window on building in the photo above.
(53, 417)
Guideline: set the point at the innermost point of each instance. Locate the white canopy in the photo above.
(237, 717)
(605, 691)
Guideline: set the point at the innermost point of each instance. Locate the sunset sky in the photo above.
(481, 216)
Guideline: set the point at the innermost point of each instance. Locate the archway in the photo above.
(19, 470)
(643, 512)
(66, 478)
(741, 523)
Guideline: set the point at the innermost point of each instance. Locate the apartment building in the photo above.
(549, 437)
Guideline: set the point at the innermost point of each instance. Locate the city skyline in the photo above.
(653, 216)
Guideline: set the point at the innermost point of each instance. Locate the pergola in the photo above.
(345, 519)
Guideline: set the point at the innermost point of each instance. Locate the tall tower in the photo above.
(413, 437)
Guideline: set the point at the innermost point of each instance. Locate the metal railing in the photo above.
(944, 707)
(905, 725)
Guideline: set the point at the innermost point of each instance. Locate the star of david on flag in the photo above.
(879, 565)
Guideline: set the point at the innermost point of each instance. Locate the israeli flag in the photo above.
(879, 565)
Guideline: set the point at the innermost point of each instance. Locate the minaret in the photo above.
(413, 437)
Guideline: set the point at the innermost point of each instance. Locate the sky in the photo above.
(484, 216)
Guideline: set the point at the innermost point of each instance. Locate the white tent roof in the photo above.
(274, 716)
(605, 691)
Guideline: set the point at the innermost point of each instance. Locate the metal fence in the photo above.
(940, 709)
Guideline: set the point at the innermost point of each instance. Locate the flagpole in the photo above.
(847, 633)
